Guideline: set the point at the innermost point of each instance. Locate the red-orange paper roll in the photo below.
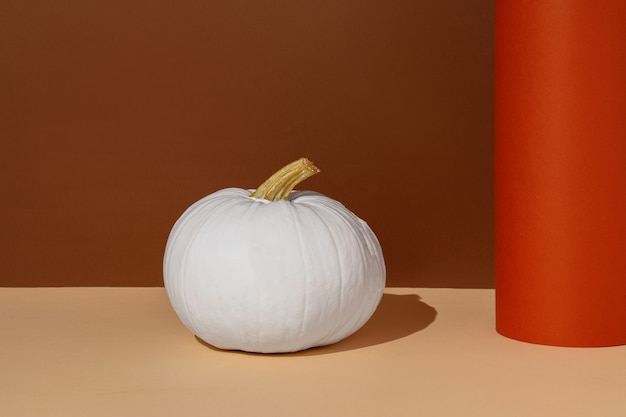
(561, 171)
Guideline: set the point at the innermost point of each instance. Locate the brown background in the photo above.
(117, 115)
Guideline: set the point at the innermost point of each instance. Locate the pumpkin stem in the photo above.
(278, 186)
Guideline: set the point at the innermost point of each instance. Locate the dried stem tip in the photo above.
(278, 186)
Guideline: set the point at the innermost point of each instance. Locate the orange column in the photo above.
(561, 171)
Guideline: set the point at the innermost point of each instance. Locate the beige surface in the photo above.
(426, 352)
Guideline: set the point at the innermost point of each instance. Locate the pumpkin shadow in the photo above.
(397, 316)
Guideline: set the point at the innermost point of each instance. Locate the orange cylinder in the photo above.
(560, 155)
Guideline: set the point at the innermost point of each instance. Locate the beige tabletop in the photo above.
(426, 352)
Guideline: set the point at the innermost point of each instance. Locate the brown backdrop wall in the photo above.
(117, 115)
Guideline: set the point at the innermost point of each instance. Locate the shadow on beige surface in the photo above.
(397, 316)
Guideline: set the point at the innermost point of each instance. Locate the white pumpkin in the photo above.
(251, 274)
